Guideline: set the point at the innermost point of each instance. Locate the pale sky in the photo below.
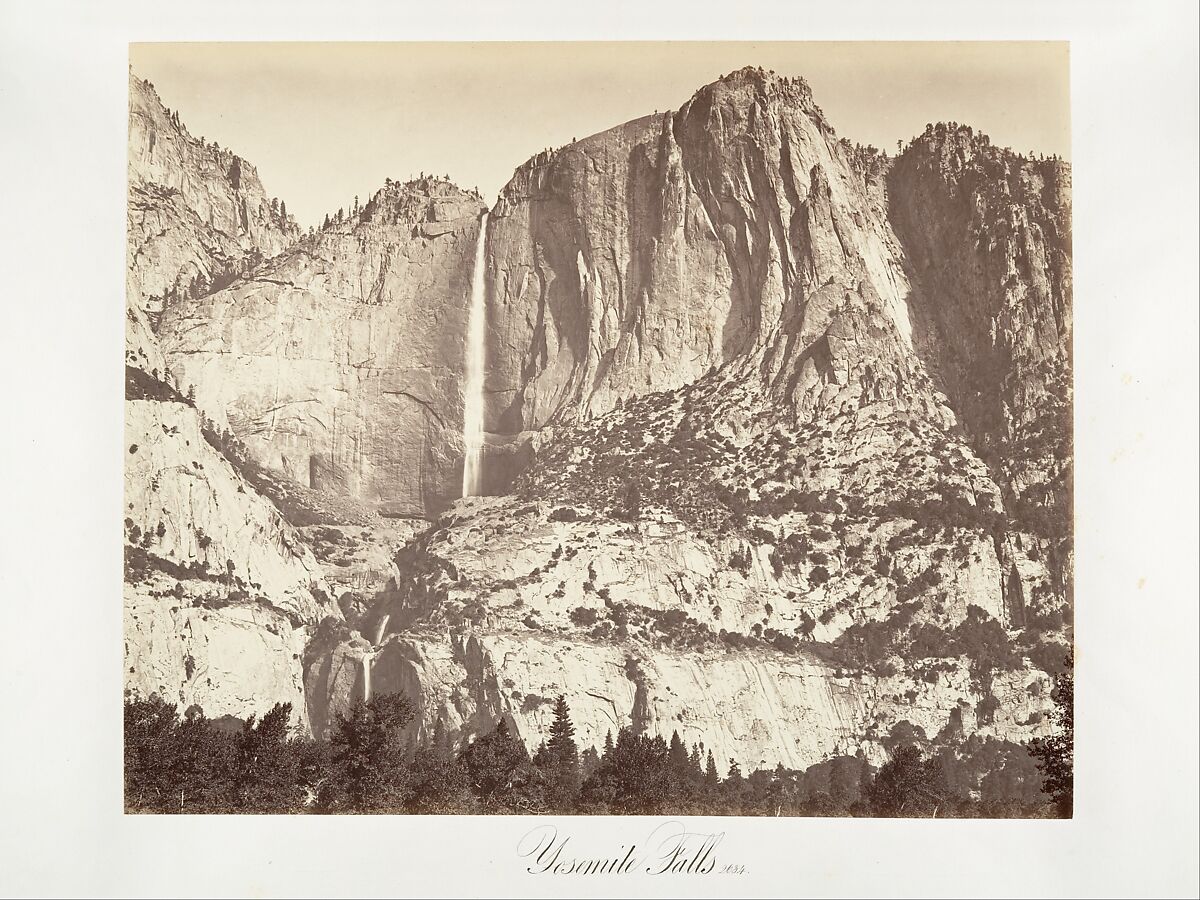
(325, 121)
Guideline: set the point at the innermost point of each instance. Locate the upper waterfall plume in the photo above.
(473, 389)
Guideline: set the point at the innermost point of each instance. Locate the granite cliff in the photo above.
(734, 231)
(220, 592)
(340, 361)
(779, 428)
(195, 210)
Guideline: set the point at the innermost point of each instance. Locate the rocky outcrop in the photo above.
(200, 515)
(736, 231)
(987, 236)
(500, 610)
(228, 662)
(219, 589)
(195, 210)
(739, 376)
(339, 363)
(220, 592)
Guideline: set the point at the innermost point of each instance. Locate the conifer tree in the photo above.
(562, 757)
(710, 771)
(678, 756)
(562, 733)
(368, 753)
(907, 786)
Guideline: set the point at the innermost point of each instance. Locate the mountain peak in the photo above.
(759, 75)
(427, 198)
(751, 88)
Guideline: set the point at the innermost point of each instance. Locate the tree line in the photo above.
(189, 764)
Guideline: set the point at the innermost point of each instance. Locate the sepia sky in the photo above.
(325, 121)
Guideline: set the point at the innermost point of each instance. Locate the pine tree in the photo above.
(562, 733)
(634, 779)
(844, 784)
(368, 754)
(631, 502)
(608, 746)
(563, 757)
(678, 756)
(325, 224)
(710, 771)
(282, 210)
(440, 785)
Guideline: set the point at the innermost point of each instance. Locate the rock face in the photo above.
(781, 427)
(734, 231)
(195, 210)
(757, 708)
(988, 238)
(220, 592)
(340, 361)
(497, 611)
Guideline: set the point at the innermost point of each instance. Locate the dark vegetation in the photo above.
(1056, 754)
(372, 764)
(200, 284)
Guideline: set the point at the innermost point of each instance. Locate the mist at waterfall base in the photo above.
(476, 361)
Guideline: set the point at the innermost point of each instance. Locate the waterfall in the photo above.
(382, 626)
(366, 678)
(473, 390)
